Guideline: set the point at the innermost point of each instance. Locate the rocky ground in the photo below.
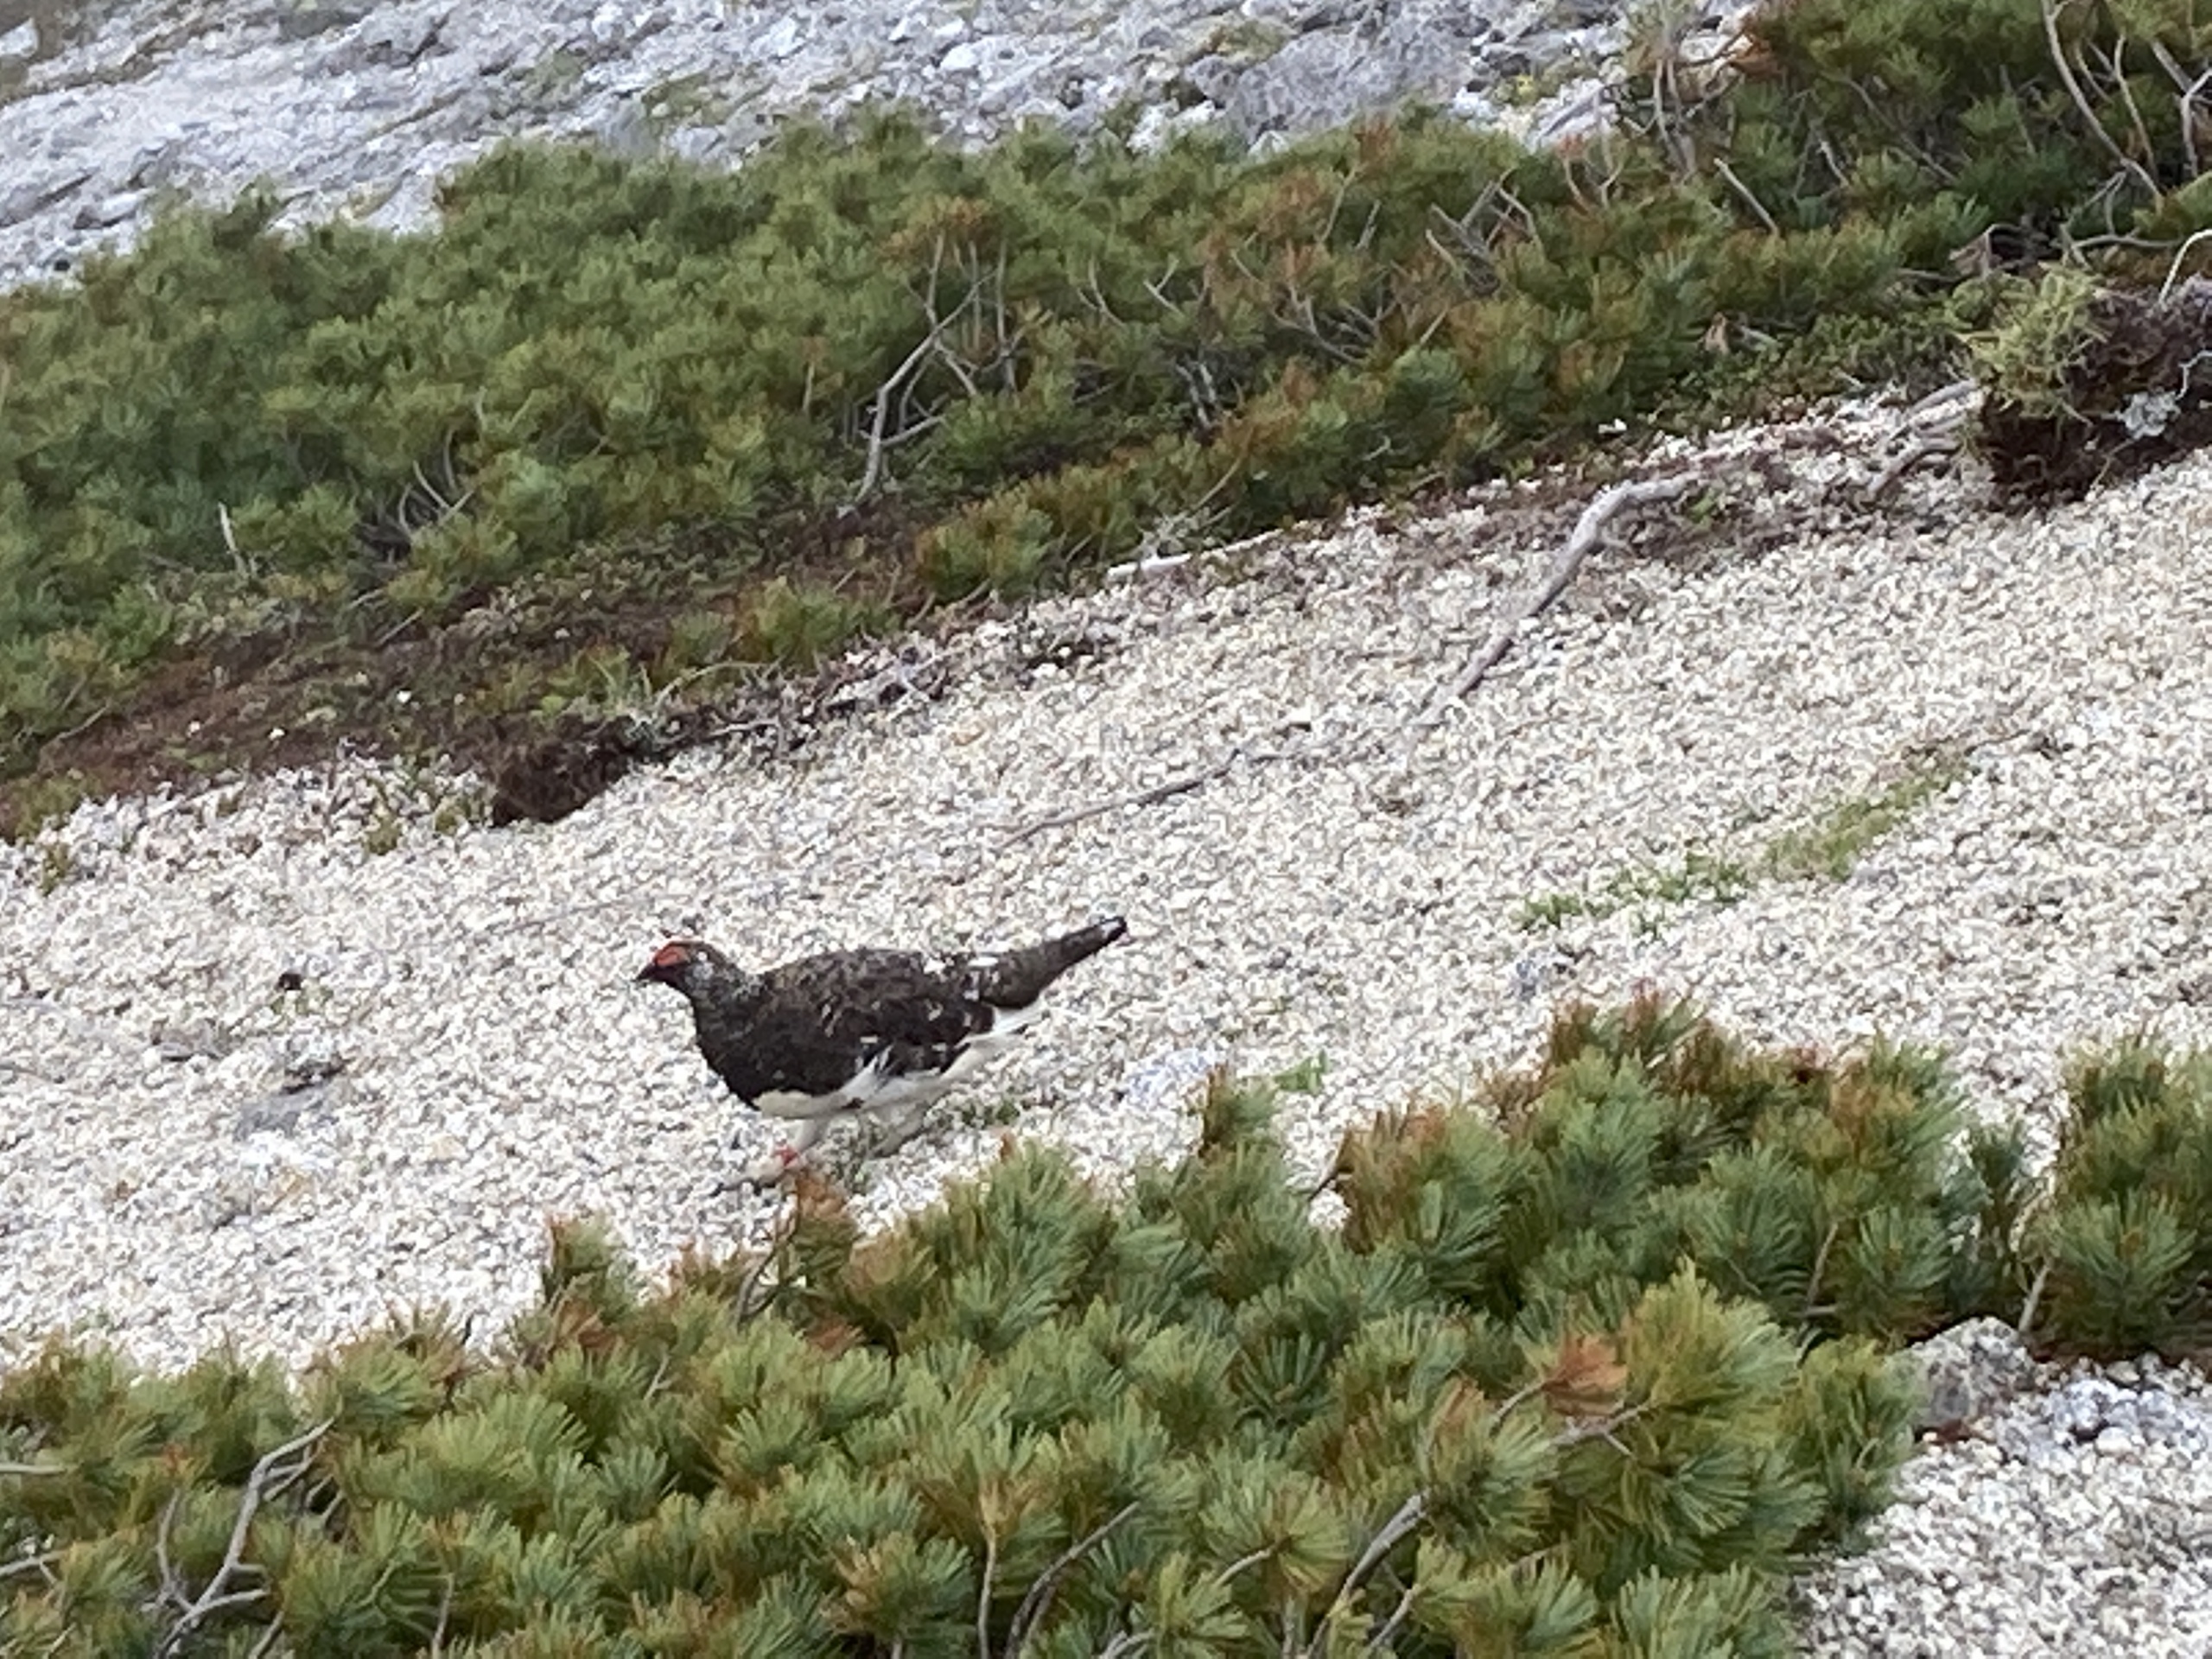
(356, 108)
(198, 1151)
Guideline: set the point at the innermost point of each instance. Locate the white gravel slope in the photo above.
(499, 1066)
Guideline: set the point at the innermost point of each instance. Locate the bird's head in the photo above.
(688, 964)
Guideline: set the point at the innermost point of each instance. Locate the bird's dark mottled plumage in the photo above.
(880, 1033)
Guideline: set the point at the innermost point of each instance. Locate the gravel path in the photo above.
(191, 1152)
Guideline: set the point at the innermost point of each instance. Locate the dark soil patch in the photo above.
(505, 688)
(261, 705)
(2137, 394)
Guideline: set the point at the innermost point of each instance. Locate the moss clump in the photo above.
(2084, 384)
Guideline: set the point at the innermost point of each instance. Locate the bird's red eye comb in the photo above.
(674, 953)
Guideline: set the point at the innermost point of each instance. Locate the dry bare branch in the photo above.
(1394, 1532)
(1588, 530)
(2173, 270)
(1182, 785)
(2073, 84)
(1759, 207)
(2187, 90)
(1380, 1642)
(445, 1614)
(894, 386)
(1923, 448)
(42, 1564)
(1039, 1601)
(277, 1470)
(2034, 1300)
(984, 1595)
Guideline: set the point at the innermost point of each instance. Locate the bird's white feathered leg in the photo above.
(767, 1171)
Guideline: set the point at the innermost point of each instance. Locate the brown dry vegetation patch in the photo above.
(257, 705)
(550, 693)
(2136, 393)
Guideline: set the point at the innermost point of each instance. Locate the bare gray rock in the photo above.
(392, 39)
(352, 109)
(1969, 1371)
(19, 45)
(1331, 76)
(307, 20)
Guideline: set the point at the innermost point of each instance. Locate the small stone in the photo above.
(1969, 1370)
(307, 18)
(110, 210)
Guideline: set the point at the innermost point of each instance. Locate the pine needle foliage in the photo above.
(1586, 1368)
(2122, 1253)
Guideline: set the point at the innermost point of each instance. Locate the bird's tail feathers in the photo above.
(1019, 977)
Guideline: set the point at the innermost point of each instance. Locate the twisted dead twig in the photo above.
(1935, 423)
(984, 1595)
(879, 438)
(277, 1470)
(2027, 1318)
(1039, 1601)
(2072, 82)
(1923, 448)
(1415, 1510)
(42, 1564)
(1410, 1514)
(1744, 191)
(1564, 569)
(1381, 1641)
(1158, 792)
(879, 423)
(445, 1613)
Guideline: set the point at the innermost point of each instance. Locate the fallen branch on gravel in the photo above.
(1948, 406)
(1564, 569)
(1588, 530)
(1153, 796)
(1921, 449)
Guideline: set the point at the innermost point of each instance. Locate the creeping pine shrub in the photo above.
(798, 625)
(1586, 1371)
(2122, 1252)
(988, 370)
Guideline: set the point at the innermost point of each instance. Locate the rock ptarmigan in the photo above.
(880, 1033)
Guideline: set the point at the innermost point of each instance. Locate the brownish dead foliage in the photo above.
(2137, 393)
(1586, 1379)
